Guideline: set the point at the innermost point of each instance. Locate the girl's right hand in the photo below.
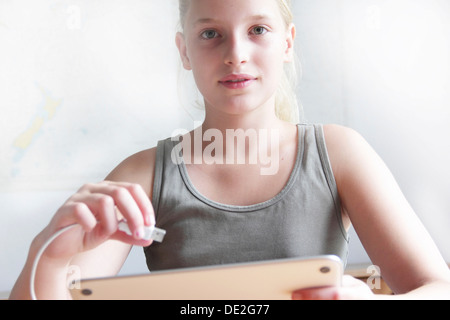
(97, 209)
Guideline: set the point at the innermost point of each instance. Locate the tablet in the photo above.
(263, 280)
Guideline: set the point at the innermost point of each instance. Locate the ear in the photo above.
(290, 41)
(181, 45)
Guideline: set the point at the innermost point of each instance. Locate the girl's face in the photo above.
(236, 50)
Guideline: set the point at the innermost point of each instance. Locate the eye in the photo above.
(259, 30)
(209, 34)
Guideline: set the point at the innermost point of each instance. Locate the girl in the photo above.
(219, 208)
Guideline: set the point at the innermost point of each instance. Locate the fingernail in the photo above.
(297, 296)
(139, 234)
(150, 220)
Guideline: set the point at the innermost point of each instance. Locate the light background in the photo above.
(84, 84)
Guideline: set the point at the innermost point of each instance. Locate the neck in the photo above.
(224, 138)
(263, 117)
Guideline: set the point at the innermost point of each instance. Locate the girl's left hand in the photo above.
(351, 289)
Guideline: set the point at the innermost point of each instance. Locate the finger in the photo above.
(323, 293)
(141, 199)
(75, 212)
(123, 237)
(351, 289)
(105, 211)
(125, 203)
(102, 208)
(70, 243)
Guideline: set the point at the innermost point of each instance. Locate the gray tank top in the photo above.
(304, 219)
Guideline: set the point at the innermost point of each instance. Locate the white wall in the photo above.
(109, 70)
(382, 67)
(83, 84)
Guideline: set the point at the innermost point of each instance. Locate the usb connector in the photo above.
(152, 232)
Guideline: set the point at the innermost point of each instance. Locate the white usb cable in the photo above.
(38, 257)
(152, 232)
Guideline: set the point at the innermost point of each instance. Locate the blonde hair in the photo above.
(287, 107)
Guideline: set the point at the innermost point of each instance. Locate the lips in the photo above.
(237, 81)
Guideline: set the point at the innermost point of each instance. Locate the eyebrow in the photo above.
(256, 17)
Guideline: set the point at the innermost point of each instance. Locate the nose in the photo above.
(237, 51)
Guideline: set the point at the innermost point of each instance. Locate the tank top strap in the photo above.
(328, 171)
(158, 176)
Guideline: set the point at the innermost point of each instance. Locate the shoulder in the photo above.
(385, 222)
(365, 183)
(346, 147)
(138, 168)
(341, 135)
(356, 165)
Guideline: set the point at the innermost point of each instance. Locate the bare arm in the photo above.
(391, 233)
(107, 259)
(97, 248)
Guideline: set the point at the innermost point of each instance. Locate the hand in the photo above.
(351, 289)
(98, 208)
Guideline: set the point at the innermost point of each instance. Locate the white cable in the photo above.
(38, 257)
(150, 233)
